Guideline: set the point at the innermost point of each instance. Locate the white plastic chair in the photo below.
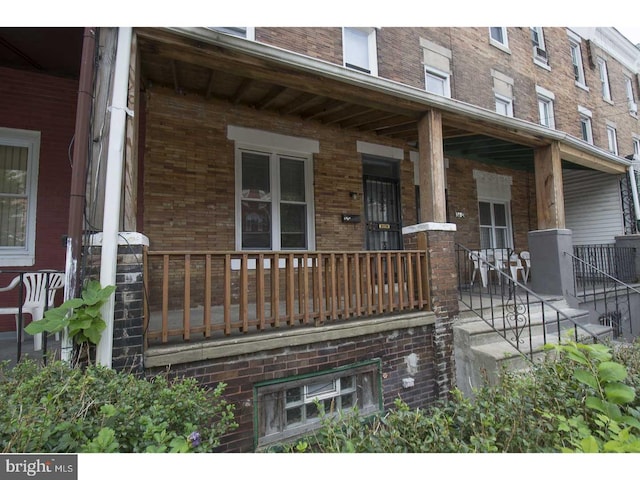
(479, 265)
(526, 257)
(35, 285)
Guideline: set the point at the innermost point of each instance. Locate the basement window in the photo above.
(292, 407)
(19, 157)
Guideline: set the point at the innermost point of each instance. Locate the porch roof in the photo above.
(216, 65)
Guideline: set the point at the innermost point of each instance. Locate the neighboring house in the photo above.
(282, 204)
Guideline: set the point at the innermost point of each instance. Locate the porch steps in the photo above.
(481, 353)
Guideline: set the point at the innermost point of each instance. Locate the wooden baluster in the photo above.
(260, 291)
(165, 298)
(207, 296)
(227, 294)
(186, 319)
(275, 291)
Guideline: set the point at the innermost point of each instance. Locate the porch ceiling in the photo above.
(213, 71)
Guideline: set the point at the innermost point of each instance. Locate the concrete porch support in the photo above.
(549, 191)
(551, 269)
(630, 241)
(438, 241)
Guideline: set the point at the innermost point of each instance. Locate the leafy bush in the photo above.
(60, 409)
(580, 399)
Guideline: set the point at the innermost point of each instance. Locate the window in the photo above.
(636, 149)
(242, 32)
(540, 55)
(274, 190)
(631, 100)
(545, 107)
(437, 82)
(494, 224)
(19, 158)
(504, 106)
(498, 37)
(576, 60)
(494, 209)
(360, 51)
(586, 130)
(612, 139)
(293, 407)
(604, 79)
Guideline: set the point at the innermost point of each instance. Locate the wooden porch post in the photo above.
(549, 192)
(130, 199)
(431, 167)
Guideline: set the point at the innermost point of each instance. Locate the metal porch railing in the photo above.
(608, 295)
(509, 306)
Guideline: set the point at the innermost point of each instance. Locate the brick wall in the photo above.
(47, 104)
(393, 348)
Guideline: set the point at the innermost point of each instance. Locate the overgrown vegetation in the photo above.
(583, 398)
(60, 409)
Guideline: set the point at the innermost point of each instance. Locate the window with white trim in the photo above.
(586, 130)
(612, 139)
(604, 79)
(274, 191)
(540, 54)
(498, 37)
(242, 32)
(576, 60)
(545, 107)
(292, 407)
(636, 149)
(437, 82)
(631, 100)
(359, 49)
(494, 209)
(19, 159)
(504, 106)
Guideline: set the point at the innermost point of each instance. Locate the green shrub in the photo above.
(57, 408)
(550, 408)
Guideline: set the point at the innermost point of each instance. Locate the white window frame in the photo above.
(585, 119)
(575, 51)
(540, 54)
(612, 139)
(243, 32)
(636, 148)
(603, 73)
(494, 189)
(372, 50)
(444, 77)
(29, 139)
(631, 101)
(506, 102)
(546, 112)
(274, 146)
(502, 45)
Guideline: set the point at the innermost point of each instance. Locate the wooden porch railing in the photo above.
(203, 294)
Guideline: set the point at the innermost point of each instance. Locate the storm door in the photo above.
(382, 205)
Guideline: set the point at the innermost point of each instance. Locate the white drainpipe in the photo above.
(113, 189)
(634, 192)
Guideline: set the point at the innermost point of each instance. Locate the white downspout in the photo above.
(113, 189)
(634, 192)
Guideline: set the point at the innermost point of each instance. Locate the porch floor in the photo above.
(9, 348)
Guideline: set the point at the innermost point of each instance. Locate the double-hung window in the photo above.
(612, 139)
(586, 130)
(359, 49)
(494, 224)
(437, 82)
(242, 32)
(274, 191)
(498, 37)
(540, 55)
(19, 157)
(604, 79)
(576, 60)
(504, 105)
(631, 100)
(545, 107)
(636, 149)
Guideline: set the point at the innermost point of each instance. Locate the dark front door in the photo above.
(382, 213)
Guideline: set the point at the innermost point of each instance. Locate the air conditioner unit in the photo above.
(633, 107)
(540, 53)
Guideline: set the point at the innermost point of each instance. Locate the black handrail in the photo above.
(509, 301)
